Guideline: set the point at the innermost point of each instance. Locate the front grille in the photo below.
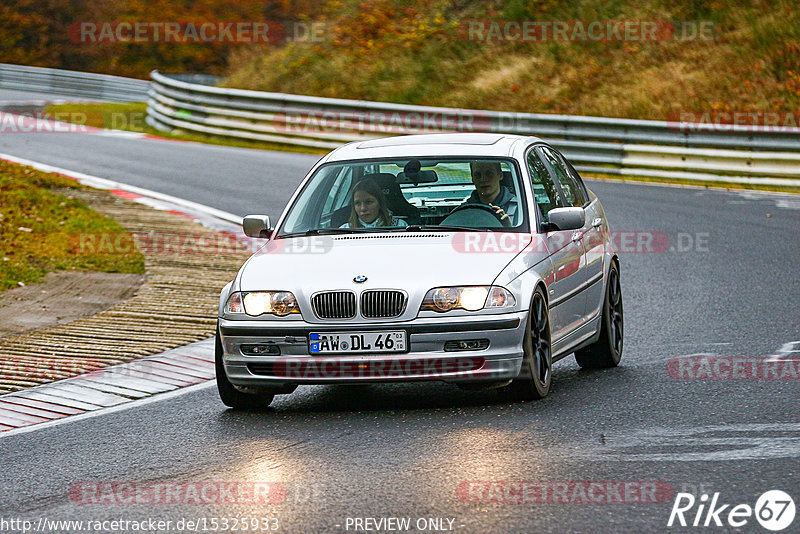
(382, 304)
(334, 305)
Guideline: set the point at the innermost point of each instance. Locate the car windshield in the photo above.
(462, 194)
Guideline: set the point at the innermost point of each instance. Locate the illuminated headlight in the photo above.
(257, 303)
(471, 298)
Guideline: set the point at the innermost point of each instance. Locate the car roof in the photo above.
(445, 144)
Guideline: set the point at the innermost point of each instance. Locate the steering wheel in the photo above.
(498, 217)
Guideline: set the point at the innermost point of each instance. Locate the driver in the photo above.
(487, 175)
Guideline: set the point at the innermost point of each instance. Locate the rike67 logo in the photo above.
(774, 510)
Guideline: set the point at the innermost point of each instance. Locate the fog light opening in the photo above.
(260, 350)
(466, 344)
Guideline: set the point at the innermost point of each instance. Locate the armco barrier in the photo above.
(594, 144)
(73, 83)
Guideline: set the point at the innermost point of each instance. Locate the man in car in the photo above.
(487, 175)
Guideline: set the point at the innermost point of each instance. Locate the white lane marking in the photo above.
(757, 441)
(781, 200)
(791, 204)
(113, 409)
(103, 183)
(787, 351)
(790, 350)
(120, 133)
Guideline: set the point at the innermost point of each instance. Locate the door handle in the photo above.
(597, 222)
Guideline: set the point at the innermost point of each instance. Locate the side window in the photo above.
(574, 193)
(544, 190)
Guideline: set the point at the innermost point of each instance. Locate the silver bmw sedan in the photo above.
(476, 259)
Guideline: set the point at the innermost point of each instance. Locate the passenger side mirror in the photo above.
(565, 219)
(257, 226)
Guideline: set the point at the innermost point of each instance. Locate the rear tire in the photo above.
(535, 376)
(231, 396)
(607, 350)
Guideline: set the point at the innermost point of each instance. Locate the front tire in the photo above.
(536, 373)
(230, 396)
(607, 350)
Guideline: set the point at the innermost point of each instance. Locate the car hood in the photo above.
(411, 262)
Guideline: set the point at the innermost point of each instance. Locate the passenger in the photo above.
(487, 175)
(369, 208)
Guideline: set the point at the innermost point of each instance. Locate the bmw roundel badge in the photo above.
(360, 279)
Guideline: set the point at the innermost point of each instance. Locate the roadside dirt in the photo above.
(62, 297)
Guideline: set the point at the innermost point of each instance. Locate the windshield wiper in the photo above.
(326, 231)
(436, 227)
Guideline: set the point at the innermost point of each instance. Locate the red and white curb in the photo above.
(202, 213)
(118, 385)
(108, 387)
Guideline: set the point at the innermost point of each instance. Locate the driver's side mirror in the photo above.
(564, 219)
(257, 226)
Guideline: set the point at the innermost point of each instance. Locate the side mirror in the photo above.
(565, 219)
(257, 225)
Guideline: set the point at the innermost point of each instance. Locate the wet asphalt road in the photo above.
(728, 287)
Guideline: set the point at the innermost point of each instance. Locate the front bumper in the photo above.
(426, 358)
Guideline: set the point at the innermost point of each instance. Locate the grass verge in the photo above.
(41, 227)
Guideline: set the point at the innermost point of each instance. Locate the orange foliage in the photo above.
(47, 33)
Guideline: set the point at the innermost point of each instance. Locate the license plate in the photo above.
(351, 342)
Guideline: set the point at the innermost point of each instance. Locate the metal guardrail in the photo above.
(73, 83)
(594, 144)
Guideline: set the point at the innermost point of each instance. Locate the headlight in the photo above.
(234, 304)
(471, 298)
(257, 303)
